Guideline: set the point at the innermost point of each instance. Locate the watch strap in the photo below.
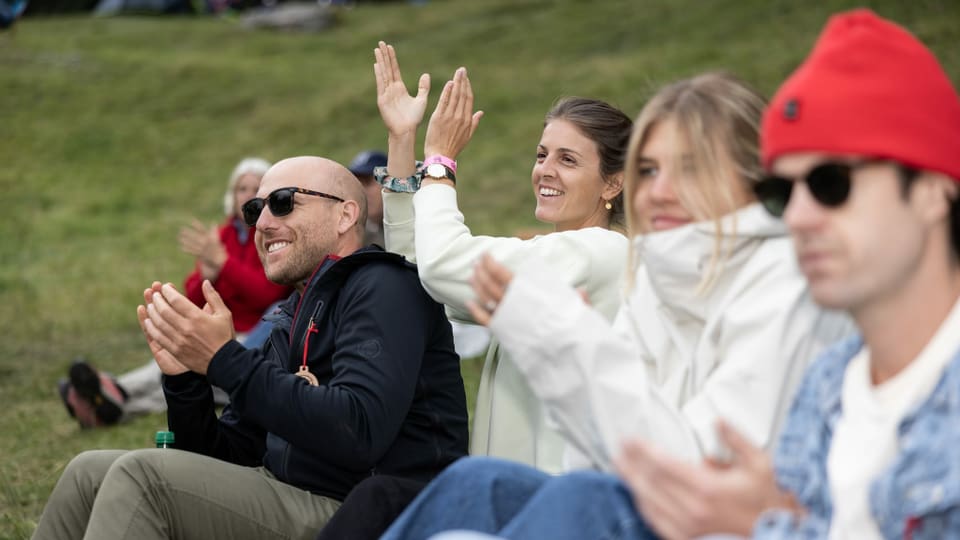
(447, 172)
(443, 160)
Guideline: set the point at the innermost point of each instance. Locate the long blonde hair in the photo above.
(717, 118)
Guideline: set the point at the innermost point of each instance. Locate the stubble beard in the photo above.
(298, 266)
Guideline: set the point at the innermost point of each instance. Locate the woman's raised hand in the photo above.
(401, 112)
(453, 121)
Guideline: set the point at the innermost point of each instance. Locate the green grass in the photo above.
(114, 132)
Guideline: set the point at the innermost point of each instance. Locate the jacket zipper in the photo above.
(293, 323)
(285, 459)
(311, 329)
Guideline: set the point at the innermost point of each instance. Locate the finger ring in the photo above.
(490, 305)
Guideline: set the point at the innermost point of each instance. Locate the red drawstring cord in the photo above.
(311, 329)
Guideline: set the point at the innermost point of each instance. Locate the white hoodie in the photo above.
(674, 361)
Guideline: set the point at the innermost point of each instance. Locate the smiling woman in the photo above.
(577, 178)
(579, 168)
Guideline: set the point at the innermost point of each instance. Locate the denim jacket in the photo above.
(917, 496)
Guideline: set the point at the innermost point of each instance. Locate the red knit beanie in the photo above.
(868, 88)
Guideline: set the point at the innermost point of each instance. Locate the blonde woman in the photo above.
(718, 323)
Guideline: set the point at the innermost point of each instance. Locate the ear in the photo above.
(933, 193)
(952, 189)
(612, 186)
(349, 214)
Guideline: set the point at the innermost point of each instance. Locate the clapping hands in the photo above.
(682, 500)
(401, 112)
(182, 336)
(204, 243)
(453, 121)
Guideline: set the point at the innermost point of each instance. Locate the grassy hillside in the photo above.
(114, 132)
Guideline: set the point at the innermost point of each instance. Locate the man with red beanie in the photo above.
(863, 143)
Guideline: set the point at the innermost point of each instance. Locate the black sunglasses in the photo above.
(280, 202)
(829, 183)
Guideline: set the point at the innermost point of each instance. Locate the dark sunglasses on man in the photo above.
(280, 202)
(828, 182)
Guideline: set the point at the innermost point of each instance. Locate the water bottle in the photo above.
(164, 439)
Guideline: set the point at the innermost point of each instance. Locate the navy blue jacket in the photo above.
(390, 400)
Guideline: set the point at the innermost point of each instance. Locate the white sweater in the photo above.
(508, 421)
(674, 362)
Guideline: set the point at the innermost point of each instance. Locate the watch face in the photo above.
(436, 170)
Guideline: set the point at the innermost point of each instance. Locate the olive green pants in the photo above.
(166, 493)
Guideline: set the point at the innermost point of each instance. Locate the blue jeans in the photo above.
(511, 500)
(258, 335)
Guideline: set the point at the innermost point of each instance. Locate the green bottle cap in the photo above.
(164, 439)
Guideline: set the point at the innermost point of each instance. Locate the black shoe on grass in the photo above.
(99, 390)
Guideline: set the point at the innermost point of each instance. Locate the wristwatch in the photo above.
(439, 171)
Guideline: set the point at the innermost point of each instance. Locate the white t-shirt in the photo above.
(865, 441)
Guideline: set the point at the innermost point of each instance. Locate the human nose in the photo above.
(266, 220)
(661, 187)
(802, 212)
(545, 168)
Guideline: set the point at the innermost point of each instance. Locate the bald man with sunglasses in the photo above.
(358, 378)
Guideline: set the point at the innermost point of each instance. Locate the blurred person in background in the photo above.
(10, 11)
(362, 166)
(224, 255)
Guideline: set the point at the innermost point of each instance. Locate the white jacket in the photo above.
(509, 421)
(674, 362)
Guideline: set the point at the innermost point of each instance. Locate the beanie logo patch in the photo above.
(791, 109)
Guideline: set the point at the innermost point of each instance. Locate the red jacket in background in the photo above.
(242, 284)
